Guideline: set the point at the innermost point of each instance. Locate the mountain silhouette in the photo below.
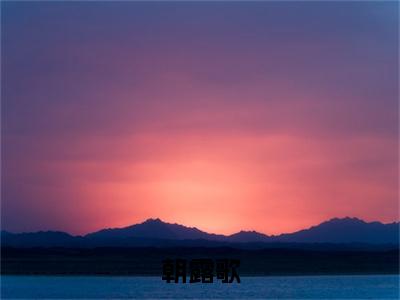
(346, 230)
(155, 229)
(38, 239)
(154, 232)
(248, 237)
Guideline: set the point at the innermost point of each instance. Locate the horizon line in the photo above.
(194, 227)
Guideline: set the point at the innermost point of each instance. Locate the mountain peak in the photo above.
(345, 220)
(151, 220)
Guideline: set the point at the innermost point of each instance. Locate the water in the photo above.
(289, 287)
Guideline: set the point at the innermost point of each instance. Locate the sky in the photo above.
(226, 116)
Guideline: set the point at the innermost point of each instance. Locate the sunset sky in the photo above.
(225, 116)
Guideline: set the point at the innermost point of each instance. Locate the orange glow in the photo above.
(271, 184)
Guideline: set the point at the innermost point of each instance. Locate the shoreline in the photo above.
(148, 262)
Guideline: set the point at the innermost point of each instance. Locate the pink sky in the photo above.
(225, 117)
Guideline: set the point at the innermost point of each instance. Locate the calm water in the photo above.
(300, 287)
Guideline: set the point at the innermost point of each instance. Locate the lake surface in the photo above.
(289, 287)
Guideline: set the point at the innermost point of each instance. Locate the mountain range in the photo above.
(154, 232)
